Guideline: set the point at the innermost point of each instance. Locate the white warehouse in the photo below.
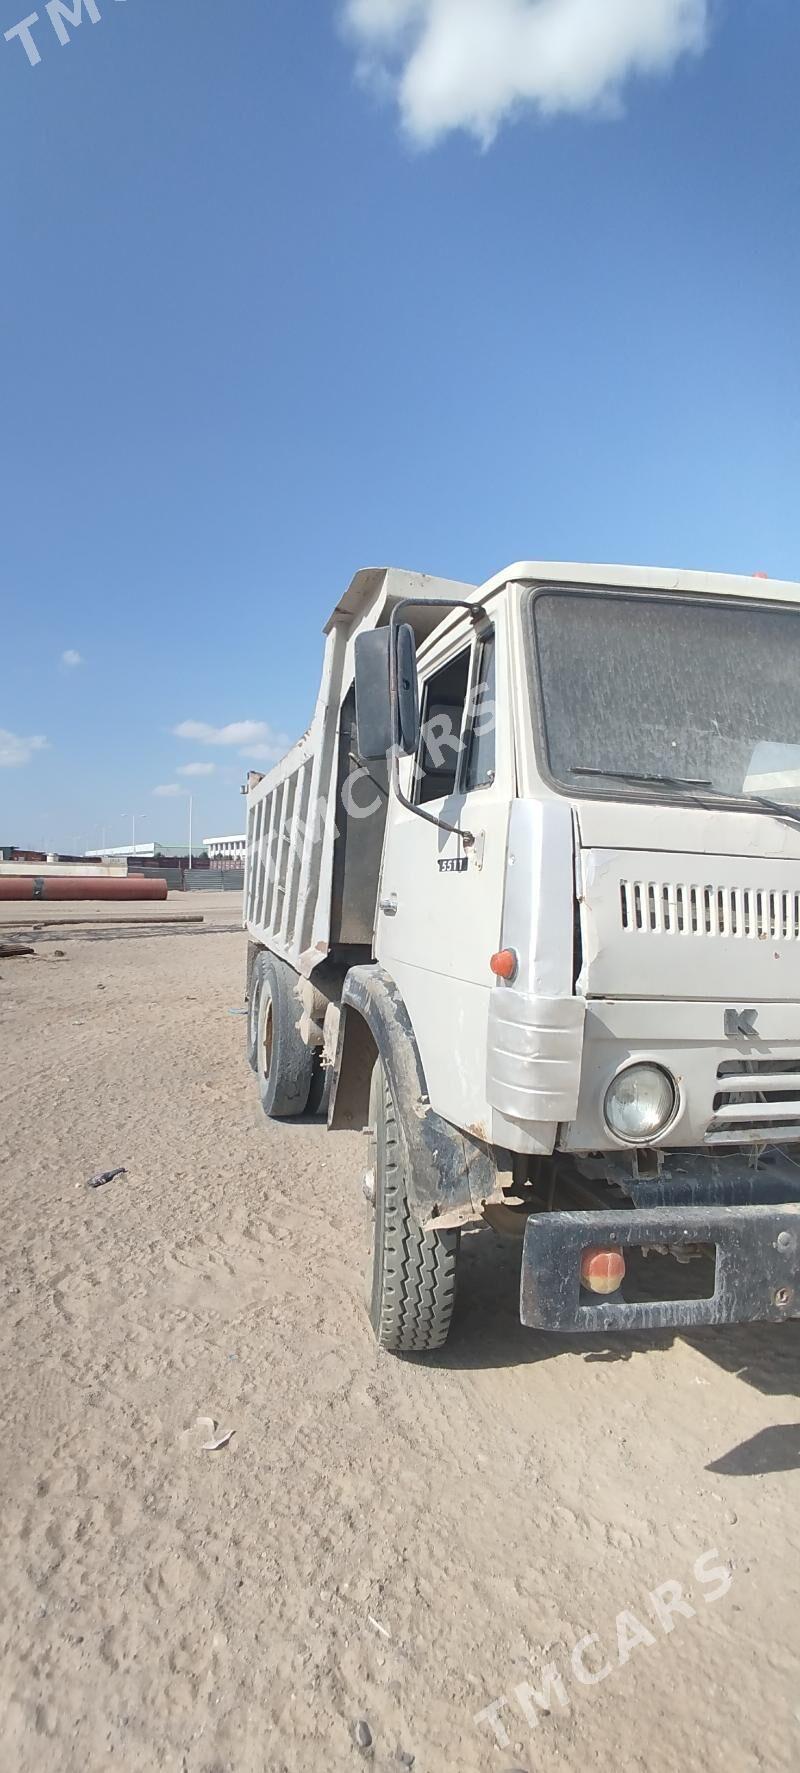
(225, 849)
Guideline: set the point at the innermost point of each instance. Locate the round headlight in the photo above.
(640, 1103)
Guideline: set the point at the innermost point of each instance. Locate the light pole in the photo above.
(133, 818)
(191, 804)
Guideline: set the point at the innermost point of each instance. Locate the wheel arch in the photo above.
(448, 1173)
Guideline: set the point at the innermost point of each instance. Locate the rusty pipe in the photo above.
(80, 886)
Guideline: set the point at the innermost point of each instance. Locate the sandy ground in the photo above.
(381, 1540)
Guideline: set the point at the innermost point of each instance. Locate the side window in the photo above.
(443, 702)
(481, 763)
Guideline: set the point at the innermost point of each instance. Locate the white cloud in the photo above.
(468, 64)
(254, 739)
(196, 769)
(70, 658)
(238, 732)
(15, 750)
(168, 790)
(266, 753)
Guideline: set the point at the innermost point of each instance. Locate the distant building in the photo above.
(150, 852)
(146, 851)
(24, 862)
(225, 852)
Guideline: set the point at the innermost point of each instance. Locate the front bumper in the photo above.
(757, 1274)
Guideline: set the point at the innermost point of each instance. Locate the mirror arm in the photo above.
(467, 837)
(360, 765)
(478, 615)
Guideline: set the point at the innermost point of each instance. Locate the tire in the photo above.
(284, 1062)
(254, 987)
(411, 1275)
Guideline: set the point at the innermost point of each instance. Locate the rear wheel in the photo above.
(283, 1061)
(253, 990)
(411, 1273)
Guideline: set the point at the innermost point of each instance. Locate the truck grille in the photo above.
(668, 909)
(757, 1102)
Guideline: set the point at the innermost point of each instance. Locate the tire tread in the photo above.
(417, 1280)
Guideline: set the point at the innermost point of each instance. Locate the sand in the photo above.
(384, 1541)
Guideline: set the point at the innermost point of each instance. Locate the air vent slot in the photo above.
(757, 1102)
(672, 908)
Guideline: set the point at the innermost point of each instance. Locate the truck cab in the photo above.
(568, 845)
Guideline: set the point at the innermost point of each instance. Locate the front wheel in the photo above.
(411, 1274)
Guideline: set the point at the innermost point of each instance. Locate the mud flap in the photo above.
(757, 1273)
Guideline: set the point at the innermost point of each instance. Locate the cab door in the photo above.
(440, 903)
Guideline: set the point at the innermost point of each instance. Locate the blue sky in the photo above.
(266, 317)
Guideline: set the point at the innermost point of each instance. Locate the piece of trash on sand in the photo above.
(383, 1629)
(237, 1012)
(362, 1735)
(218, 1440)
(105, 1176)
(12, 950)
(221, 1441)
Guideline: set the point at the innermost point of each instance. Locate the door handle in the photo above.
(389, 905)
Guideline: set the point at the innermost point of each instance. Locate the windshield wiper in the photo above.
(633, 776)
(788, 814)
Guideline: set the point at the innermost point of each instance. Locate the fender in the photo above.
(448, 1175)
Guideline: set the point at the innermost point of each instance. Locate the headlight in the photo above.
(640, 1103)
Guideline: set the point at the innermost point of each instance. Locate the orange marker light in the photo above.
(505, 965)
(602, 1271)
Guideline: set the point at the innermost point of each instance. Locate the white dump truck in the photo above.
(524, 906)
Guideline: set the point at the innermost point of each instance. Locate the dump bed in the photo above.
(312, 864)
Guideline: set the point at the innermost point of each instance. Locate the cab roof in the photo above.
(642, 578)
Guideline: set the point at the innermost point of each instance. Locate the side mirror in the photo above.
(376, 732)
(407, 734)
(373, 707)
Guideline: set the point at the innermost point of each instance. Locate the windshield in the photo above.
(673, 694)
